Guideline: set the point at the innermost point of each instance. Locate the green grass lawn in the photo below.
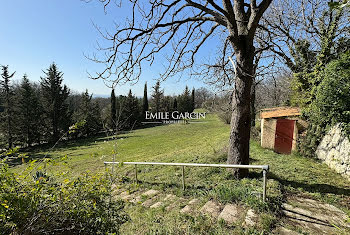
(172, 143)
(200, 143)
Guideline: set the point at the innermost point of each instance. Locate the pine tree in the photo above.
(122, 115)
(157, 97)
(132, 111)
(8, 94)
(145, 101)
(29, 112)
(54, 96)
(175, 104)
(193, 103)
(113, 111)
(185, 101)
(166, 104)
(88, 112)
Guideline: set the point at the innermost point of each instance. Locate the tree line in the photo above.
(36, 113)
(128, 112)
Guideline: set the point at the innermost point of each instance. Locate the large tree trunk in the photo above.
(238, 152)
(252, 104)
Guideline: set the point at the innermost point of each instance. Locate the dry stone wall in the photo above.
(334, 150)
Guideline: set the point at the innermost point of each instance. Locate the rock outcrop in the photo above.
(334, 150)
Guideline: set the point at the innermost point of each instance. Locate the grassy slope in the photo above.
(174, 143)
(201, 142)
(204, 143)
(309, 176)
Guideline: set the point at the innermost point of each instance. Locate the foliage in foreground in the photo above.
(333, 95)
(45, 204)
(331, 104)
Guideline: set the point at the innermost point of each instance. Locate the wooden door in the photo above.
(284, 136)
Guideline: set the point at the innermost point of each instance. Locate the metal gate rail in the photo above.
(264, 169)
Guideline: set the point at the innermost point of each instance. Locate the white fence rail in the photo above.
(264, 169)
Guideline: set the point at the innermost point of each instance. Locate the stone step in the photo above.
(211, 208)
(190, 207)
(125, 196)
(176, 203)
(157, 204)
(285, 231)
(148, 202)
(129, 197)
(150, 193)
(304, 214)
(153, 199)
(137, 196)
(152, 196)
(136, 199)
(231, 213)
(170, 197)
(315, 217)
(251, 219)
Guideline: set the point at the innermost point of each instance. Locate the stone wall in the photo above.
(334, 150)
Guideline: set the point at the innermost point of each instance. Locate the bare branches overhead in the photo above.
(183, 27)
(289, 22)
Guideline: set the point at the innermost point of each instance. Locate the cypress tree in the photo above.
(193, 103)
(54, 96)
(145, 100)
(8, 104)
(175, 104)
(113, 111)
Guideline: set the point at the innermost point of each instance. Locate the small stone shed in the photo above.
(280, 127)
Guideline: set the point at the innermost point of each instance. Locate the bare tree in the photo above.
(185, 26)
(302, 36)
(202, 95)
(274, 90)
(304, 32)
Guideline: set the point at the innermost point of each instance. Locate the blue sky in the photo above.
(36, 33)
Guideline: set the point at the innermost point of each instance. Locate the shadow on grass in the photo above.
(44, 150)
(312, 188)
(190, 190)
(255, 175)
(164, 185)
